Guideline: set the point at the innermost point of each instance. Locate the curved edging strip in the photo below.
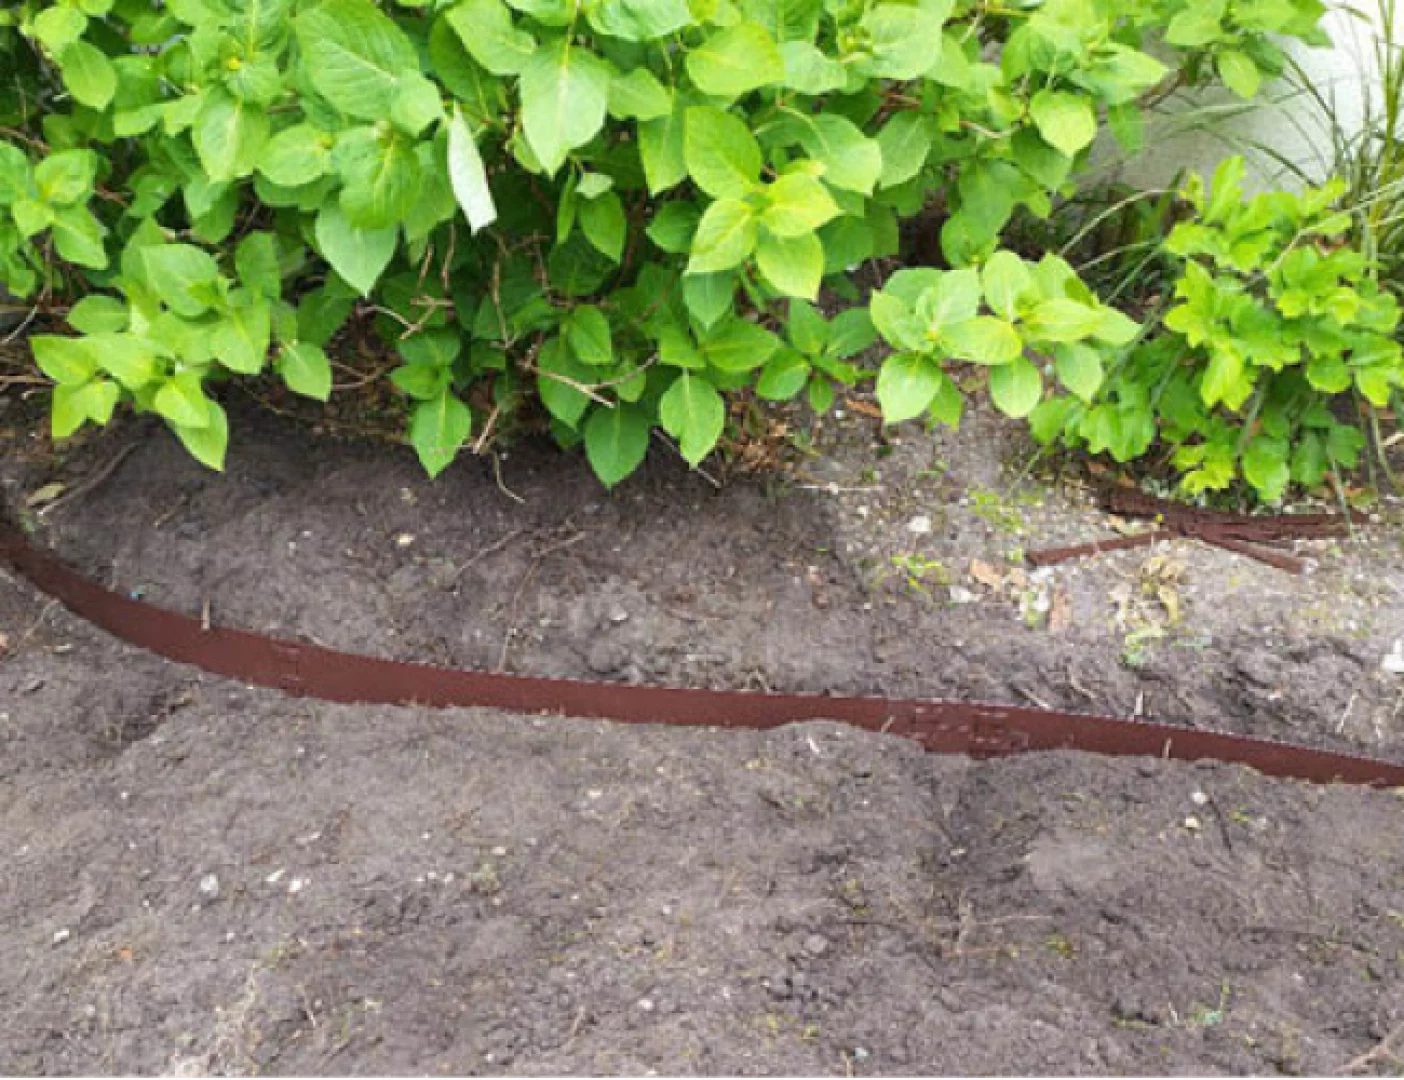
(947, 727)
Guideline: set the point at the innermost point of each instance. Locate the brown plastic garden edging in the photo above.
(947, 727)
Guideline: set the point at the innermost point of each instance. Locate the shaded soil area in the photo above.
(200, 876)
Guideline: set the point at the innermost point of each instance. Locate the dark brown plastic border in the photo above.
(949, 727)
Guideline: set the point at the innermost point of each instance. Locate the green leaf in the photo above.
(75, 405)
(559, 374)
(692, 412)
(906, 384)
(587, 332)
(726, 235)
(355, 56)
(739, 345)
(78, 237)
(1066, 121)
(905, 143)
(638, 96)
(784, 376)
(487, 32)
(183, 276)
(1062, 320)
(851, 160)
(229, 136)
(984, 340)
(792, 265)
(417, 104)
(182, 401)
(722, 155)
(1224, 379)
(1016, 388)
(360, 256)
(256, 261)
(58, 26)
(673, 226)
(564, 91)
(468, 176)
(639, 20)
(1006, 280)
(207, 443)
(296, 156)
(661, 148)
(604, 225)
(797, 204)
(1079, 368)
(241, 337)
(97, 314)
(905, 41)
(128, 359)
(1241, 76)
(809, 70)
(88, 74)
(616, 442)
(66, 177)
(709, 296)
(66, 360)
(380, 178)
(736, 60)
(306, 370)
(438, 430)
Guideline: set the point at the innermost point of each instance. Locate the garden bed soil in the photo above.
(200, 876)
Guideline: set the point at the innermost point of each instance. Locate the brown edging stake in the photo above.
(948, 727)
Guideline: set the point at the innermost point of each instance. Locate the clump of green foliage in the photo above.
(606, 210)
(1276, 325)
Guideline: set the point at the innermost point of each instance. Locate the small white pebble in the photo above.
(919, 525)
(275, 877)
(60, 936)
(404, 540)
(646, 1004)
(1193, 823)
(209, 886)
(1199, 799)
(594, 793)
(499, 851)
(296, 885)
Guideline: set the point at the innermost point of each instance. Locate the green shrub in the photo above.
(652, 189)
(1275, 325)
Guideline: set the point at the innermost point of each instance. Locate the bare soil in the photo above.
(199, 876)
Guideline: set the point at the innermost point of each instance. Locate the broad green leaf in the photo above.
(417, 104)
(1016, 388)
(380, 178)
(65, 177)
(1079, 368)
(905, 143)
(661, 148)
(954, 298)
(639, 20)
(797, 204)
(88, 74)
(1265, 467)
(66, 360)
(709, 296)
(692, 412)
(905, 41)
(183, 276)
(59, 26)
(850, 333)
(673, 226)
(564, 91)
(438, 430)
(75, 405)
(182, 401)
(78, 237)
(809, 70)
(128, 359)
(360, 256)
(1060, 320)
(725, 236)
(906, 385)
(616, 442)
(722, 155)
(735, 61)
(97, 314)
(638, 96)
(256, 261)
(1066, 121)
(209, 442)
(739, 345)
(240, 339)
(793, 265)
(604, 225)
(295, 156)
(1241, 76)
(851, 160)
(468, 176)
(983, 340)
(783, 377)
(587, 332)
(355, 56)
(487, 32)
(306, 370)
(229, 136)
(1006, 280)
(559, 379)
(1224, 379)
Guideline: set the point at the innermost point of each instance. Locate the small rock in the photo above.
(1393, 662)
(919, 525)
(961, 595)
(646, 1004)
(618, 615)
(816, 945)
(209, 887)
(404, 540)
(779, 985)
(60, 936)
(1199, 798)
(605, 657)
(1193, 824)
